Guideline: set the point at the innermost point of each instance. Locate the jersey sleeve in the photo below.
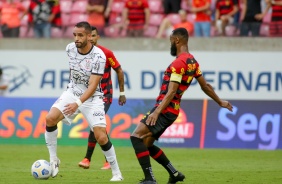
(198, 71)
(67, 47)
(112, 60)
(99, 64)
(177, 70)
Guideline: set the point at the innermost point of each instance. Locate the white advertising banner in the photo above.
(234, 75)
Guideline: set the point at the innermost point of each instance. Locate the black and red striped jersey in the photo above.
(182, 70)
(106, 82)
(136, 13)
(225, 6)
(276, 12)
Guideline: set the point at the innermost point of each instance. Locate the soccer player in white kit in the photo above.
(87, 63)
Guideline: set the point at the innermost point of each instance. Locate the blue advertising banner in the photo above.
(252, 124)
(201, 124)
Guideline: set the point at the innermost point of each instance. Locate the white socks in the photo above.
(51, 143)
(111, 158)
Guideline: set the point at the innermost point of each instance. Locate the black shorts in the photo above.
(163, 122)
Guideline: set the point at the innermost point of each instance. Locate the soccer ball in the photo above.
(41, 169)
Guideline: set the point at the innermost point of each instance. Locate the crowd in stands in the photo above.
(141, 18)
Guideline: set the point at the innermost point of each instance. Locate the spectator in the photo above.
(10, 18)
(167, 27)
(108, 8)
(171, 6)
(252, 17)
(276, 18)
(95, 10)
(237, 21)
(55, 18)
(224, 15)
(4, 83)
(39, 18)
(137, 14)
(202, 24)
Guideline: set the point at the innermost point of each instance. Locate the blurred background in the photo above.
(237, 43)
(143, 18)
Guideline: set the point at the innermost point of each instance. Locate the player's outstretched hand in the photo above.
(227, 105)
(122, 100)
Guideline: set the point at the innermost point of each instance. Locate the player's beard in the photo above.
(93, 42)
(173, 49)
(81, 44)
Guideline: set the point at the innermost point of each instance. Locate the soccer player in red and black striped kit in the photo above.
(275, 27)
(177, 78)
(106, 85)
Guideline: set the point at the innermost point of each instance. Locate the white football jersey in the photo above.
(82, 66)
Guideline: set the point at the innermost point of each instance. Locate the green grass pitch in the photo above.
(207, 166)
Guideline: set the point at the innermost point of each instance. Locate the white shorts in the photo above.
(92, 109)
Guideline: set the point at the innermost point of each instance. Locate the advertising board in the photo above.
(201, 124)
(234, 75)
(252, 81)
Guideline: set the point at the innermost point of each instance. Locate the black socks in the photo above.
(143, 157)
(157, 154)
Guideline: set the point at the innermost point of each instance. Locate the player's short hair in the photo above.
(93, 28)
(84, 25)
(181, 32)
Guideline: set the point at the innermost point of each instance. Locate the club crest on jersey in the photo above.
(176, 106)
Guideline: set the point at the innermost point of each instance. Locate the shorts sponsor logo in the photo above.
(98, 113)
(181, 128)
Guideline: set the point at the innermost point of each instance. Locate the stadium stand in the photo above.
(73, 11)
(112, 31)
(156, 6)
(79, 6)
(184, 6)
(174, 18)
(264, 28)
(26, 32)
(66, 6)
(156, 19)
(117, 7)
(56, 32)
(25, 3)
(77, 17)
(151, 31)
